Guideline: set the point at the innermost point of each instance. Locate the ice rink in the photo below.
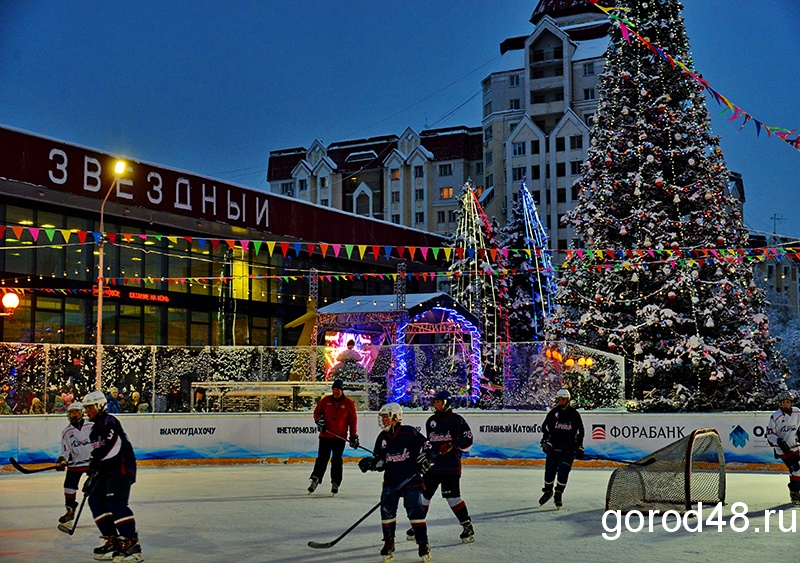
(263, 513)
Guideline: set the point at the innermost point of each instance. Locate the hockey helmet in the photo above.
(563, 394)
(443, 396)
(95, 398)
(393, 411)
(76, 406)
(785, 396)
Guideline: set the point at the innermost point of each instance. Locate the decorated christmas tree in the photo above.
(660, 281)
(528, 282)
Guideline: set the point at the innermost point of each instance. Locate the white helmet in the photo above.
(96, 398)
(76, 406)
(563, 394)
(393, 411)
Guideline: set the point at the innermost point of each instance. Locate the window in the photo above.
(558, 71)
(517, 173)
(396, 219)
(536, 172)
(488, 157)
(588, 93)
(588, 69)
(419, 194)
(487, 134)
(394, 173)
(537, 73)
(324, 202)
(575, 191)
(323, 182)
(558, 52)
(395, 197)
(560, 144)
(540, 123)
(588, 119)
(419, 172)
(562, 244)
(561, 170)
(513, 80)
(537, 98)
(575, 168)
(440, 215)
(478, 168)
(452, 216)
(487, 109)
(560, 220)
(287, 188)
(419, 217)
(537, 197)
(445, 193)
(518, 149)
(512, 125)
(535, 147)
(576, 142)
(487, 85)
(538, 55)
(558, 96)
(513, 104)
(561, 195)
(445, 170)
(547, 175)
(490, 180)
(302, 185)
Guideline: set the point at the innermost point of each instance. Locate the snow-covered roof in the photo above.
(590, 49)
(511, 60)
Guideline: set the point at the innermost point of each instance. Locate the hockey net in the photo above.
(679, 475)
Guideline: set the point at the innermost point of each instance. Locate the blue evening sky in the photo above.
(212, 87)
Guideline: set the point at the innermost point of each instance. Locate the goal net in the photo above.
(679, 475)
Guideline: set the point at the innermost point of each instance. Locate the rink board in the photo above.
(507, 435)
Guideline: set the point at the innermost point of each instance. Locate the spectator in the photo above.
(36, 406)
(4, 408)
(131, 404)
(58, 405)
(200, 403)
(112, 401)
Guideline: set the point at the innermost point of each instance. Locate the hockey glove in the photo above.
(423, 463)
(94, 464)
(446, 448)
(579, 453)
(547, 446)
(794, 465)
(320, 422)
(367, 464)
(354, 442)
(88, 485)
(784, 446)
(61, 464)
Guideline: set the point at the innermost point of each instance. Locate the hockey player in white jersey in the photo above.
(782, 436)
(76, 450)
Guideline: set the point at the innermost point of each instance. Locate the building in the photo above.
(188, 260)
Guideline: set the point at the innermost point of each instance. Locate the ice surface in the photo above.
(263, 513)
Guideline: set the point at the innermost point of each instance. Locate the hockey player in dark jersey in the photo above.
(562, 442)
(113, 466)
(448, 436)
(399, 453)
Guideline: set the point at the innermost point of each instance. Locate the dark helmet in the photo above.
(443, 396)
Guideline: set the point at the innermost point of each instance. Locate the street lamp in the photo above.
(119, 169)
(10, 303)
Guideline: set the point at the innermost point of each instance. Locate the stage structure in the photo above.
(376, 321)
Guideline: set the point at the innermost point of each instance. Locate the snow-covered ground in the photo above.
(263, 513)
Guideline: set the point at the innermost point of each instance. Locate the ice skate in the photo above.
(388, 550)
(467, 534)
(128, 550)
(69, 515)
(557, 499)
(548, 493)
(424, 552)
(794, 496)
(410, 536)
(312, 484)
(334, 488)
(106, 551)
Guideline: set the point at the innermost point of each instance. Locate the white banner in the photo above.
(498, 434)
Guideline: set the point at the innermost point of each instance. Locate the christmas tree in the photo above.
(529, 285)
(653, 193)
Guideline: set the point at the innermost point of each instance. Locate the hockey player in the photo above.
(76, 450)
(448, 436)
(334, 415)
(399, 453)
(562, 442)
(782, 436)
(113, 466)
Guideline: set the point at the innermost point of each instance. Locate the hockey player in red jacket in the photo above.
(334, 416)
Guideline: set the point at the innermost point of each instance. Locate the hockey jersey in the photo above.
(112, 452)
(564, 428)
(448, 436)
(782, 425)
(397, 453)
(76, 445)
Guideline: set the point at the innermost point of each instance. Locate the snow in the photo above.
(263, 513)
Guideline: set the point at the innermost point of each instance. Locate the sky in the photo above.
(262, 513)
(213, 87)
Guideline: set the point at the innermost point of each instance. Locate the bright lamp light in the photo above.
(10, 301)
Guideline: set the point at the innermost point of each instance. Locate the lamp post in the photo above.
(119, 169)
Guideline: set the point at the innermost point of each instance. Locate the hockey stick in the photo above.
(27, 471)
(360, 447)
(326, 545)
(68, 530)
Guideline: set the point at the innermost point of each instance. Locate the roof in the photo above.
(561, 8)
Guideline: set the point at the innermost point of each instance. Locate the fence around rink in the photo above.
(513, 376)
(502, 436)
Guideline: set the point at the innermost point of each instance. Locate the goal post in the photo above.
(677, 476)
